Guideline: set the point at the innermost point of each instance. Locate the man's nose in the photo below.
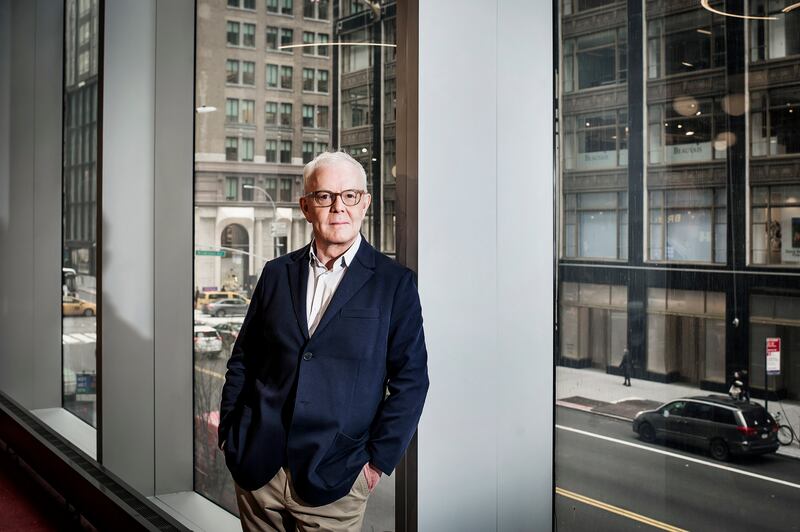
(338, 204)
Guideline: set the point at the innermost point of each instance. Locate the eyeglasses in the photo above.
(326, 198)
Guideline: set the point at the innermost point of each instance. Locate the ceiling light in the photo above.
(689, 133)
(706, 6)
(680, 126)
(791, 7)
(704, 32)
(684, 63)
(698, 113)
(588, 124)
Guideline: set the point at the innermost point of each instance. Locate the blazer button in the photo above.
(308, 356)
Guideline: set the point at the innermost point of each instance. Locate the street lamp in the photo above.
(274, 216)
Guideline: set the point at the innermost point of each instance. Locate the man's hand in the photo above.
(373, 475)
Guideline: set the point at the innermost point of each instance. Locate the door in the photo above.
(599, 337)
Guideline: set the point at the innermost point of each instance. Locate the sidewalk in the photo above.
(595, 391)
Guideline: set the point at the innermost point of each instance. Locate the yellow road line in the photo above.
(616, 510)
(210, 372)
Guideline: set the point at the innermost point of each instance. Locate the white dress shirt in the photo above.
(322, 283)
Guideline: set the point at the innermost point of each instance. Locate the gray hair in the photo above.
(329, 158)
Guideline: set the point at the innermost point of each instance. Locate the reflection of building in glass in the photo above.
(80, 135)
(365, 101)
(680, 184)
(272, 116)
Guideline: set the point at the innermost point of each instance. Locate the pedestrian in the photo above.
(306, 424)
(626, 366)
(745, 378)
(735, 391)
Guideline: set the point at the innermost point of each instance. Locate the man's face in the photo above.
(337, 224)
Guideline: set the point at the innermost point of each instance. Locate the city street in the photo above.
(607, 479)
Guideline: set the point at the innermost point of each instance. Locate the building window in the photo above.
(389, 161)
(308, 116)
(773, 39)
(287, 7)
(308, 79)
(775, 122)
(322, 81)
(390, 101)
(286, 115)
(286, 189)
(688, 225)
(272, 76)
(231, 111)
(233, 3)
(356, 58)
(596, 140)
(322, 147)
(322, 49)
(287, 39)
(231, 188)
(286, 151)
(272, 6)
(248, 112)
(250, 4)
(272, 38)
(286, 77)
(356, 107)
(247, 149)
(596, 225)
(271, 154)
(233, 33)
(317, 9)
(308, 39)
(595, 60)
(686, 42)
(271, 186)
(249, 35)
(322, 116)
(308, 152)
(248, 73)
(686, 130)
(775, 221)
(232, 71)
(247, 193)
(686, 334)
(271, 113)
(231, 149)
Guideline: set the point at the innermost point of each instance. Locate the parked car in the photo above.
(73, 306)
(227, 307)
(207, 340)
(229, 332)
(210, 297)
(719, 424)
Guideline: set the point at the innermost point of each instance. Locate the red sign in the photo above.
(773, 356)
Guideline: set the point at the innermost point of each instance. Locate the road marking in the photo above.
(617, 510)
(681, 457)
(210, 372)
(67, 339)
(85, 338)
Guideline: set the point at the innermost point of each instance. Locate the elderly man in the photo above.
(328, 376)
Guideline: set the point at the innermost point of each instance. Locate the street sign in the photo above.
(773, 356)
(278, 229)
(209, 253)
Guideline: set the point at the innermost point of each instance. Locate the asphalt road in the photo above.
(607, 479)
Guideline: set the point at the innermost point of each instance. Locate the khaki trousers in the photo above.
(276, 506)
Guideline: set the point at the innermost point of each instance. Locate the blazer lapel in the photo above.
(298, 285)
(358, 273)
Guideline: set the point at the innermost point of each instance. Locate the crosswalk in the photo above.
(79, 338)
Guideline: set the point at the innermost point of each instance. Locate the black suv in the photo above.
(716, 423)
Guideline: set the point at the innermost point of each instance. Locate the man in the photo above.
(328, 376)
(627, 367)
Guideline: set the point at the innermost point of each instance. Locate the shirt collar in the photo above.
(343, 262)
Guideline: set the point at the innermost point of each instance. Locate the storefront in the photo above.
(774, 316)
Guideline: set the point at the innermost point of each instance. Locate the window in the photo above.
(308, 116)
(595, 60)
(248, 112)
(231, 188)
(322, 116)
(775, 122)
(248, 73)
(688, 225)
(287, 39)
(687, 130)
(231, 149)
(250, 4)
(596, 225)
(286, 114)
(247, 193)
(308, 39)
(271, 113)
(775, 225)
(356, 107)
(231, 110)
(271, 186)
(272, 38)
(232, 71)
(308, 79)
(271, 154)
(233, 3)
(596, 141)
(286, 77)
(286, 189)
(233, 33)
(390, 101)
(317, 9)
(698, 411)
(322, 81)
(777, 38)
(322, 49)
(249, 35)
(321, 147)
(286, 152)
(356, 58)
(685, 42)
(272, 6)
(272, 76)
(308, 152)
(287, 7)
(247, 149)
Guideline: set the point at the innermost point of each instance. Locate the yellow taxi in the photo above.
(73, 306)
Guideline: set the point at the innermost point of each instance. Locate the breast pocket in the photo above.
(361, 313)
(357, 332)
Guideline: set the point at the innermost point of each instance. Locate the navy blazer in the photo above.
(319, 404)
